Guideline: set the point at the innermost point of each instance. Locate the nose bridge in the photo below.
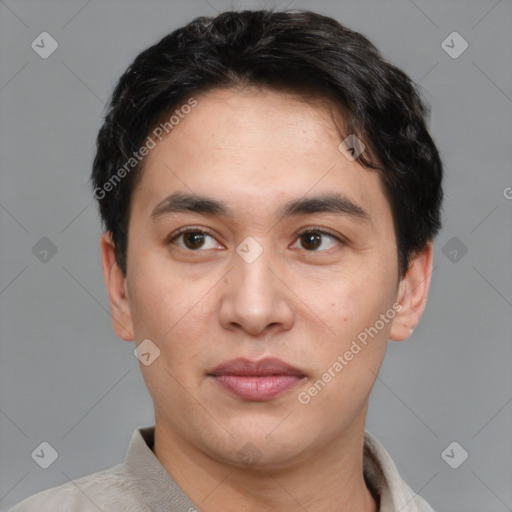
(254, 277)
(254, 298)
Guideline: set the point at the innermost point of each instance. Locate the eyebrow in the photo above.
(179, 202)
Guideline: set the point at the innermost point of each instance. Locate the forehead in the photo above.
(254, 147)
(257, 118)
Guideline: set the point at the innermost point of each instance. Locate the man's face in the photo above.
(252, 287)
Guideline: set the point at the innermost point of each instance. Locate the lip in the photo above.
(256, 380)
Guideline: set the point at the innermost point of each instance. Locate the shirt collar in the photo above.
(156, 486)
(395, 494)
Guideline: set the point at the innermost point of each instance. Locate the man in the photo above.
(270, 193)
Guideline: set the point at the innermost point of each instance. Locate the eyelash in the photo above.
(198, 229)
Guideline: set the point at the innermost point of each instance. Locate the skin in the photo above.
(256, 149)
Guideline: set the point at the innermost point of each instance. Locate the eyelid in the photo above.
(324, 231)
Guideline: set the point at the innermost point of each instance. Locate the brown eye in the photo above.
(193, 239)
(312, 239)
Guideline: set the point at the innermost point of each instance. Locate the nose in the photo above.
(254, 298)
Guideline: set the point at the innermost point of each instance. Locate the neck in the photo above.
(330, 478)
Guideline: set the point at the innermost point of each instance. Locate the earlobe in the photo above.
(115, 282)
(412, 294)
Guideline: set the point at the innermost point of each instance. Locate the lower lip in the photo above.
(257, 388)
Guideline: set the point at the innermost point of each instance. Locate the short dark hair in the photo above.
(295, 51)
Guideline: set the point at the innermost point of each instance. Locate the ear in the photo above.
(412, 294)
(116, 288)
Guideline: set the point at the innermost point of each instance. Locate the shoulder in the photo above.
(111, 489)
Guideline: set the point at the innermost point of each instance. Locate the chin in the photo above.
(259, 450)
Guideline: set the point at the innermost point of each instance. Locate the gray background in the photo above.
(65, 377)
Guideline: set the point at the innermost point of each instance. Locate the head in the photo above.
(236, 128)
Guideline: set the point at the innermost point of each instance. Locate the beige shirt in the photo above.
(141, 484)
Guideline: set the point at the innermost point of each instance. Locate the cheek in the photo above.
(355, 303)
(161, 299)
(169, 312)
(356, 335)
(174, 312)
(348, 361)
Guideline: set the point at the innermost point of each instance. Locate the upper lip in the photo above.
(263, 367)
